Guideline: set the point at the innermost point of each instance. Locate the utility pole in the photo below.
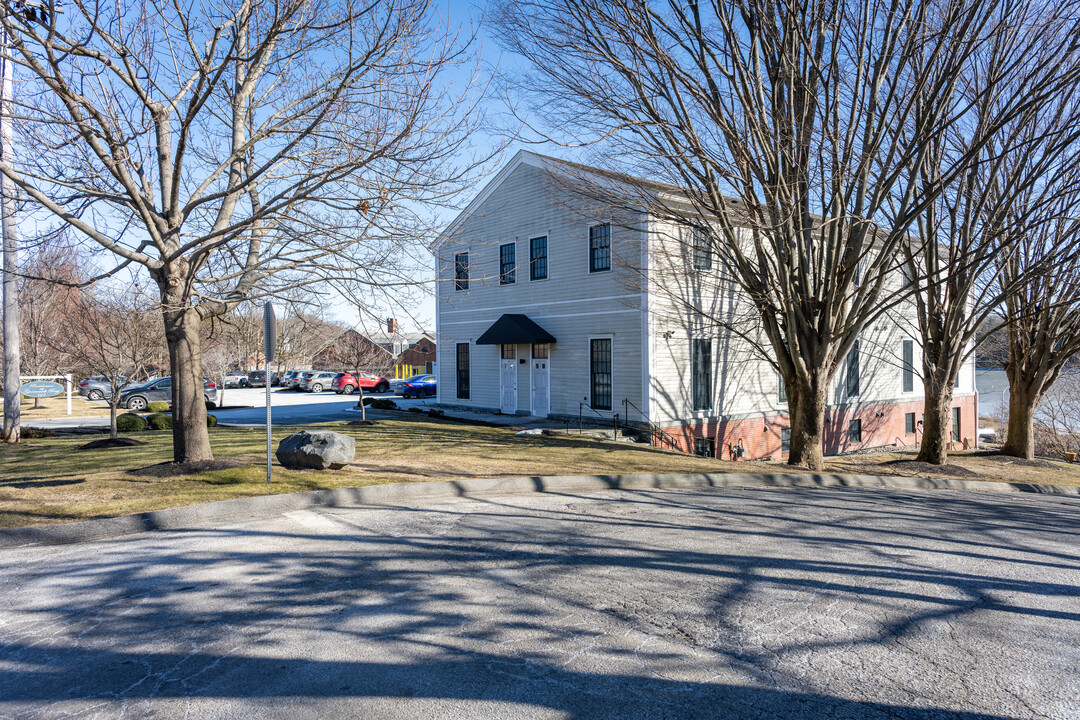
(10, 285)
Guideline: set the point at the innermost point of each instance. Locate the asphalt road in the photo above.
(753, 603)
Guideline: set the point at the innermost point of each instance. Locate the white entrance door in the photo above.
(541, 381)
(509, 380)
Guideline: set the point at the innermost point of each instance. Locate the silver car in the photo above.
(99, 387)
(316, 381)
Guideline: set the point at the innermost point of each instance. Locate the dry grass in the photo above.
(50, 480)
(55, 408)
(968, 465)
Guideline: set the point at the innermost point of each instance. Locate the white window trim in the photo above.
(529, 260)
(588, 248)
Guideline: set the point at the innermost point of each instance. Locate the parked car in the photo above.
(137, 397)
(398, 385)
(291, 379)
(236, 379)
(99, 387)
(257, 378)
(347, 383)
(317, 381)
(419, 386)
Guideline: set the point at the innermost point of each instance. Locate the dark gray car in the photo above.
(137, 397)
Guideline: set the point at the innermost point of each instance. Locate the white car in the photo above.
(236, 379)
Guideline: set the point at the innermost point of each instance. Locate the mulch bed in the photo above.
(172, 469)
(111, 443)
(918, 467)
(1010, 460)
(362, 422)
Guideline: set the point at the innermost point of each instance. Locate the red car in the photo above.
(347, 383)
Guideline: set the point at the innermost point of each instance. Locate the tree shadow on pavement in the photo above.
(739, 603)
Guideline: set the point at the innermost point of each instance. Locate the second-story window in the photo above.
(461, 271)
(702, 250)
(538, 258)
(599, 248)
(507, 264)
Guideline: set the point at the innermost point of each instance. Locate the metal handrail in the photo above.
(614, 418)
(655, 433)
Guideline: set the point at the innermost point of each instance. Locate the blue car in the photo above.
(419, 386)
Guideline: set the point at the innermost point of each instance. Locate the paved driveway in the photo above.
(758, 603)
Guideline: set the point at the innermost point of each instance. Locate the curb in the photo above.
(240, 509)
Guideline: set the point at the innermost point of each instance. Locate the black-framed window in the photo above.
(785, 440)
(461, 271)
(705, 447)
(538, 258)
(855, 430)
(781, 392)
(599, 248)
(853, 371)
(909, 423)
(956, 383)
(600, 373)
(508, 264)
(956, 424)
(909, 365)
(463, 371)
(702, 250)
(701, 374)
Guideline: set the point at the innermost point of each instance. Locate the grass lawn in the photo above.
(56, 408)
(50, 480)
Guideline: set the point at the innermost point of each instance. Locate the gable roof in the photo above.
(551, 164)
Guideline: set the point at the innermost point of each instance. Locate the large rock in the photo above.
(320, 450)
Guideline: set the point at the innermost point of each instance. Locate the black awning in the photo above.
(515, 330)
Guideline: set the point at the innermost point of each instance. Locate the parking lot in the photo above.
(293, 407)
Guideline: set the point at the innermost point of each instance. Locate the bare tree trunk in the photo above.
(937, 403)
(360, 400)
(191, 440)
(113, 434)
(1020, 437)
(806, 401)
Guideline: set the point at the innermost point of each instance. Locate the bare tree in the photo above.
(115, 332)
(236, 149)
(963, 235)
(356, 352)
(789, 129)
(1044, 314)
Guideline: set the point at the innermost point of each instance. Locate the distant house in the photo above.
(548, 306)
(380, 353)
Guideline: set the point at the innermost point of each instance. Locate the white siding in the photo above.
(572, 303)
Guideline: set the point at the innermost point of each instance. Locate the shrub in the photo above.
(157, 421)
(130, 422)
(211, 421)
(415, 410)
(158, 406)
(381, 403)
(33, 433)
(435, 413)
(210, 405)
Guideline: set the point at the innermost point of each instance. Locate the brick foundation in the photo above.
(881, 426)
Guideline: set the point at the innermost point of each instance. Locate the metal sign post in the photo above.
(269, 345)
